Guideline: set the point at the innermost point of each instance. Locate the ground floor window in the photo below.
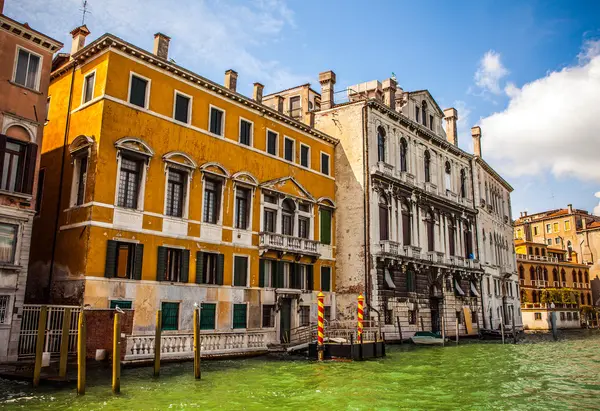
(268, 316)
(304, 315)
(209, 268)
(124, 260)
(8, 243)
(4, 301)
(575, 316)
(412, 317)
(562, 316)
(173, 264)
(537, 316)
(207, 316)
(474, 317)
(569, 316)
(170, 316)
(325, 278)
(239, 315)
(123, 304)
(240, 271)
(389, 317)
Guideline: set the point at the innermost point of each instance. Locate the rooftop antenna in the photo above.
(84, 11)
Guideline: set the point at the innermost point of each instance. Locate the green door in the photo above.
(285, 320)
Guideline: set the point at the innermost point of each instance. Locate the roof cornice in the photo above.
(493, 172)
(25, 32)
(108, 41)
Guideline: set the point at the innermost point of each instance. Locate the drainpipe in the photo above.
(366, 224)
(60, 187)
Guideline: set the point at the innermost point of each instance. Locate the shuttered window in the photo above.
(173, 265)
(17, 164)
(138, 91)
(325, 278)
(170, 316)
(207, 316)
(8, 242)
(216, 121)
(269, 221)
(325, 218)
(182, 108)
(124, 260)
(209, 268)
(245, 132)
(239, 315)
(240, 271)
(123, 304)
(410, 281)
(303, 227)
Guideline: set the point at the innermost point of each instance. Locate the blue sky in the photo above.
(527, 72)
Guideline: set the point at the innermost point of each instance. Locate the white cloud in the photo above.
(490, 72)
(206, 36)
(550, 124)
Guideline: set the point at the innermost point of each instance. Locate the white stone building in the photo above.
(406, 216)
(500, 287)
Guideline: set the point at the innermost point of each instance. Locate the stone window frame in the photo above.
(39, 70)
(143, 151)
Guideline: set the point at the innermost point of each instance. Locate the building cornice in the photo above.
(493, 172)
(108, 41)
(27, 33)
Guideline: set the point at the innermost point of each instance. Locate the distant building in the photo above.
(551, 282)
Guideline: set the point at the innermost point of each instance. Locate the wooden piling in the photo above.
(196, 343)
(443, 331)
(514, 329)
(64, 343)
(457, 329)
(81, 351)
(39, 346)
(502, 326)
(360, 348)
(399, 329)
(157, 343)
(422, 324)
(116, 354)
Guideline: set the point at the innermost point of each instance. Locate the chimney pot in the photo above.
(389, 92)
(257, 93)
(161, 45)
(79, 34)
(231, 79)
(451, 117)
(327, 80)
(476, 134)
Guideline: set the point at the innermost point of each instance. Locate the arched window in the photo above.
(451, 236)
(468, 242)
(406, 224)
(554, 275)
(383, 219)
(589, 299)
(430, 222)
(587, 278)
(287, 216)
(543, 252)
(448, 181)
(427, 165)
(463, 183)
(574, 275)
(424, 109)
(545, 274)
(569, 249)
(563, 275)
(487, 194)
(580, 276)
(403, 155)
(537, 251)
(521, 272)
(531, 273)
(380, 144)
(530, 250)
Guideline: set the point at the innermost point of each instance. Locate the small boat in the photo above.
(427, 338)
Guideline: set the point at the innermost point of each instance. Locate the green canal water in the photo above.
(472, 376)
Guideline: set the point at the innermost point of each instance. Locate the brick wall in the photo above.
(100, 323)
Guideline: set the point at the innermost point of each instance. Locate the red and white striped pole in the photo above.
(361, 300)
(320, 327)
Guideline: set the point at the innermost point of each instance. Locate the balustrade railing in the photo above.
(537, 258)
(181, 345)
(288, 243)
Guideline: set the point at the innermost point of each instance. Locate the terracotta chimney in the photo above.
(570, 207)
(451, 117)
(79, 34)
(476, 134)
(231, 80)
(161, 45)
(389, 92)
(257, 93)
(1, 6)
(327, 80)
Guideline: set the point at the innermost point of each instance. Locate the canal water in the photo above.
(472, 376)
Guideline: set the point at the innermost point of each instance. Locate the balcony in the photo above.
(435, 257)
(548, 306)
(430, 187)
(537, 258)
(385, 168)
(288, 244)
(391, 247)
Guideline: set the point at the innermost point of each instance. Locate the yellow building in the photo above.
(175, 190)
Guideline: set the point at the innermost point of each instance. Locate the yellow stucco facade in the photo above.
(97, 129)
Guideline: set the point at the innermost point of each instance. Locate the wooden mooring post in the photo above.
(39, 346)
(457, 329)
(157, 343)
(399, 329)
(64, 343)
(81, 351)
(443, 331)
(116, 354)
(197, 343)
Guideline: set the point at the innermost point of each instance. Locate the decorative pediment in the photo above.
(421, 95)
(245, 178)
(288, 186)
(326, 201)
(180, 158)
(136, 145)
(80, 143)
(212, 167)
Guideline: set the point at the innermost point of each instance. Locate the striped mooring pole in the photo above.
(320, 346)
(361, 301)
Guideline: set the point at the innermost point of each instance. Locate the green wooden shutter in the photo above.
(309, 277)
(185, 266)
(220, 265)
(261, 273)
(110, 266)
(161, 262)
(240, 264)
(138, 261)
(325, 217)
(31, 162)
(239, 315)
(274, 265)
(170, 316)
(199, 266)
(326, 278)
(207, 316)
(279, 275)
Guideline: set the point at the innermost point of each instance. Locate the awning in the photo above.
(458, 289)
(474, 290)
(388, 279)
